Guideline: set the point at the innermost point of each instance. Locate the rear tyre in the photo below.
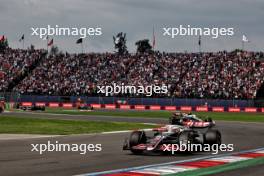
(213, 137)
(210, 119)
(1, 109)
(136, 138)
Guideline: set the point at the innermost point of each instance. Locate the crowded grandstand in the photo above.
(237, 74)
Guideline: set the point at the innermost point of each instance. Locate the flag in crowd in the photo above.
(80, 40)
(22, 38)
(244, 39)
(154, 39)
(2, 38)
(50, 42)
(200, 43)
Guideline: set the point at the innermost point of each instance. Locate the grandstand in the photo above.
(15, 64)
(221, 75)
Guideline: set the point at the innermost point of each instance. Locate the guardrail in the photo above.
(149, 107)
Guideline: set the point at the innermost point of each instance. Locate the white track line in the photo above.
(166, 164)
(125, 131)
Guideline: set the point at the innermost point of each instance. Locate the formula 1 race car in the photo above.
(190, 120)
(30, 108)
(139, 142)
(84, 107)
(35, 108)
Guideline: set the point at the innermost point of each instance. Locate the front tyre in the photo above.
(136, 138)
(186, 138)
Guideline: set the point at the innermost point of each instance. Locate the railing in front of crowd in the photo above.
(203, 108)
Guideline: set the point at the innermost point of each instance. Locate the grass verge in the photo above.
(227, 116)
(16, 125)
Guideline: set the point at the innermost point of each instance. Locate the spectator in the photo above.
(189, 75)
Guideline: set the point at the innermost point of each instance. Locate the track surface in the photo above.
(16, 157)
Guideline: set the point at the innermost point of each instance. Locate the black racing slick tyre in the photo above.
(212, 137)
(137, 137)
(1, 109)
(186, 137)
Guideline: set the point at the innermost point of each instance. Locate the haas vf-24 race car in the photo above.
(190, 120)
(196, 131)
